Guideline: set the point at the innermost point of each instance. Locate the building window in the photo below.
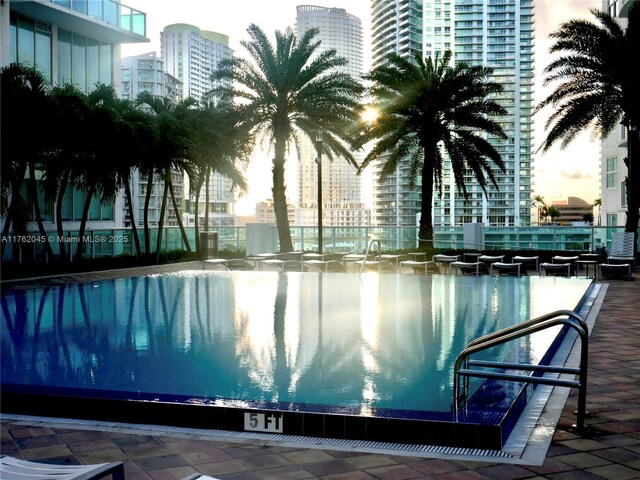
(612, 174)
(83, 61)
(30, 44)
(612, 219)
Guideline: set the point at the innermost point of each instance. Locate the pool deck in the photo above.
(611, 450)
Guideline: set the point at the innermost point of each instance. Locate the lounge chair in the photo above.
(615, 270)
(16, 469)
(516, 269)
(622, 249)
(527, 261)
(199, 476)
(573, 261)
(239, 264)
(472, 268)
(488, 260)
(445, 260)
(416, 266)
(557, 269)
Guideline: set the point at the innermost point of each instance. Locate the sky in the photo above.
(558, 174)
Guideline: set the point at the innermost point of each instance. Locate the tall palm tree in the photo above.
(428, 108)
(598, 203)
(24, 101)
(292, 89)
(171, 153)
(133, 134)
(538, 202)
(220, 145)
(98, 177)
(597, 88)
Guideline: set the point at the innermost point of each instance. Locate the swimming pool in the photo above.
(330, 354)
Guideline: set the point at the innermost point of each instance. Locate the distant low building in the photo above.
(573, 210)
(265, 213)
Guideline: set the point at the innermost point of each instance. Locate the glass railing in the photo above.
(111, 12)
(119, 241)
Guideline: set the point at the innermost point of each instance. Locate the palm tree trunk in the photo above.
(83, 221)
(207, 174)
(134, 229)
(36, 204)
(633, 180)
(147, 200)
(176, 209)
(278, 192)
(161, 220)
(64, 181)
(426, 225)
(196, 212)
(16, 184)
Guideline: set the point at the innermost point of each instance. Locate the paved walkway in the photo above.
(610, 451)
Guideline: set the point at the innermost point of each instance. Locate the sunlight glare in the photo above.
(369, 114)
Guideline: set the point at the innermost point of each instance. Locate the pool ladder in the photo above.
(366, 255)
(559, 317)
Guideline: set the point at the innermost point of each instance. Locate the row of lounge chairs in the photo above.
(620, 262)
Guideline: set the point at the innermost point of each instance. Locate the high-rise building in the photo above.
(146, 73)
(72, 43)
(192, 55)
(613, 150)
(496, 34)
(342, 198)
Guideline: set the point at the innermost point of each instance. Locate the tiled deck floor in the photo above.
(612, 451)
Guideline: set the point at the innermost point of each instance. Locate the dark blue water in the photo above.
(365, 342)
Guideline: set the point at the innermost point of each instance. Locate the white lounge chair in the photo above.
(199, 476)
(622, 249)
(16, 469)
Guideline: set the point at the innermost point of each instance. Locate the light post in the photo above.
(319, 162)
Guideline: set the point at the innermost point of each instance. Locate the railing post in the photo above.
(582, 390)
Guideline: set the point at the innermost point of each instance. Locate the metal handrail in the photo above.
(559, 317)
(366, 254)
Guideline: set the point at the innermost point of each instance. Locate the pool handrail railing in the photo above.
(559, 317)
(366, 254)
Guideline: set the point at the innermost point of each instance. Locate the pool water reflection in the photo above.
(362, 342)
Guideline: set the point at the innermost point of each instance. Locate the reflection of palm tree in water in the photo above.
(282, 374)
(18, 327)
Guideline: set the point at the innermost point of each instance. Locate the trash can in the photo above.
(208, 245)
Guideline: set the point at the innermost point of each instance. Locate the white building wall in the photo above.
(341, 187)
(192, 55)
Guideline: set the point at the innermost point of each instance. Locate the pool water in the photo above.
(364, 344)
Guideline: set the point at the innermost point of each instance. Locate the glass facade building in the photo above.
(71, 43)
(498, 34)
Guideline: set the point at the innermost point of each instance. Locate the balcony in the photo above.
(104, 20)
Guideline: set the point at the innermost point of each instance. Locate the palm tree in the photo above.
(538, 202)
(98, 177)
(597, 89)
(171, 153)
(133, 134)
(598, 203)
(24, 101)
(64, 163)
(427, 109)
(219, 142)
(291, 90)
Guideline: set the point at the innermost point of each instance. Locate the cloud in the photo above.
(577, 175)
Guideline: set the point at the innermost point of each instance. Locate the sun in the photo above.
(369, 114)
